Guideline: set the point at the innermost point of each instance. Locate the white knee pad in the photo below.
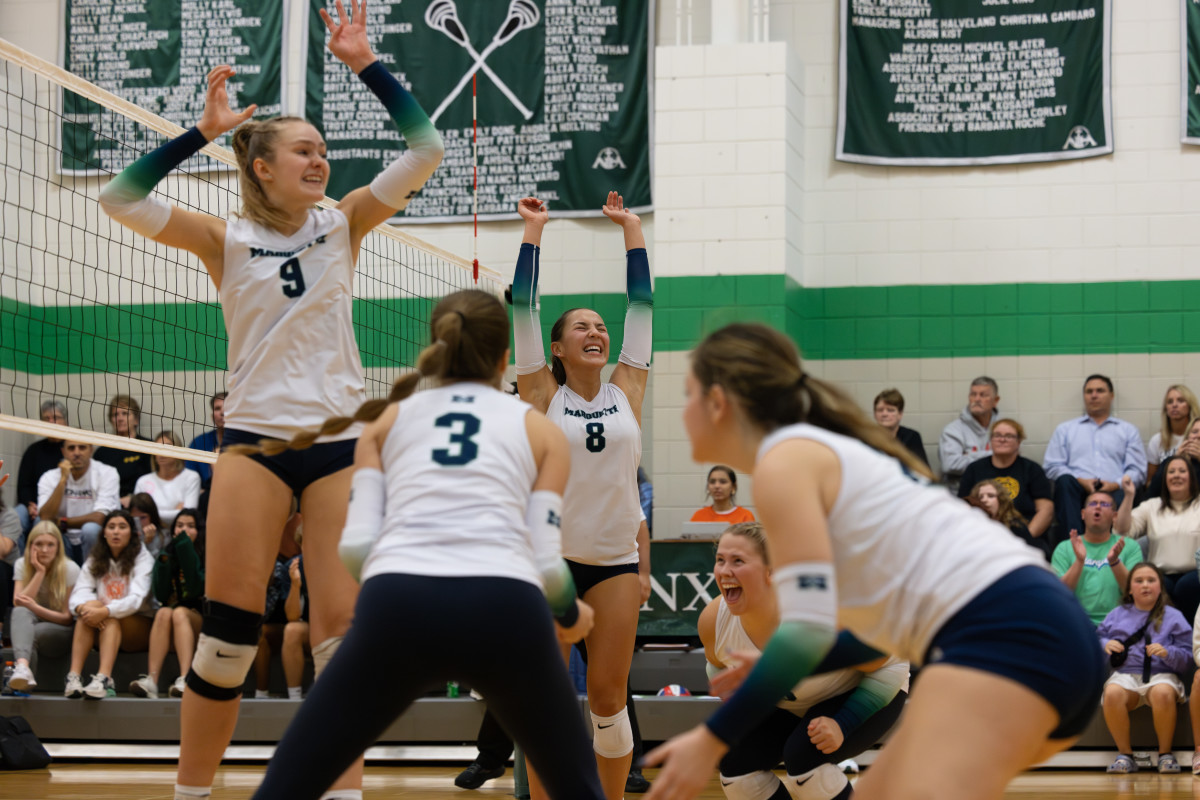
(821, 783)
(222, 665)
(322, 653)
(612, 737)
(754, 786)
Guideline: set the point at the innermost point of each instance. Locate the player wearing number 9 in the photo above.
(454, 527)
(284, 271)
(602, 421)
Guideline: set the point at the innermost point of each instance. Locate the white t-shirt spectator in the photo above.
(123, 595)
(98, 490)
(1155, 452)
(168, 495)
(43, 597)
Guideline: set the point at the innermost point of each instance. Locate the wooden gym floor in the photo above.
(113, 781)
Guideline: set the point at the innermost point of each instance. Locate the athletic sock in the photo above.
(191, 792)
(343, 794)
(293, 693)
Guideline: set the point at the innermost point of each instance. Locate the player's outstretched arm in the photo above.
(535, 381)
(633, 365)
(392, 189)
(127, 197)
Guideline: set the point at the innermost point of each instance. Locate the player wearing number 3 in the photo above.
(284, 272)
(602, 421)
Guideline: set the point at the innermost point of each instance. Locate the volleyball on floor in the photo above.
(674, 690)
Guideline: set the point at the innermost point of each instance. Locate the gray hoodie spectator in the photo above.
(967, 438)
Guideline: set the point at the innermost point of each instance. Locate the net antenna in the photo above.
(90, 310)
(442, 15)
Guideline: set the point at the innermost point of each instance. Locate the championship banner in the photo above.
(563, 102)
(962, 82)
(681, 585)
(157, 56)
(1189, 50)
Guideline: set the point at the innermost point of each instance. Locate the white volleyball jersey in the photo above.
(293, 360)
(459, 472)
(601, 506)
(732, 638)
(907, 554)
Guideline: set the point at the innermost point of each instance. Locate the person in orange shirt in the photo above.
(722, 488)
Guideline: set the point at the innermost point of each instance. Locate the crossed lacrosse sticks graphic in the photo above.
(442, 15)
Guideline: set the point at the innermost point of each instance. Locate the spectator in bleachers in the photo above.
(1179, 411)
(147, 523)
(1190, 447)
(1095, 566)
(209, 441)
(1091, 454)
(111, 604)
(1171, 523)
(40, 457)
(722, 490)
(1148, 645)
(279, 588)
(177, 582)
(41, 619)
(966, 439)
(125, 415)
(76, 495)
(10, 550)
(171, 486)
(889, 410)
(295, 633)
(993, 499)
(1031, 491)
(824, 719)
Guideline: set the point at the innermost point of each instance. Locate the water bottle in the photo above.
(451, 688)
(5, 688)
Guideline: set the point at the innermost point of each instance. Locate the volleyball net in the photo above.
(90, 310)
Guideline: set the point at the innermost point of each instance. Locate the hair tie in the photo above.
(462, 317)
(802, 381)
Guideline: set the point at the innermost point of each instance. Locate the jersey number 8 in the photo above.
(463, 450)
(595, 438)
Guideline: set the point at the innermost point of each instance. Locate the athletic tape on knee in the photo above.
(822, 783)
(225, 652)
(753, 786)
(322, 653)
(612, 737)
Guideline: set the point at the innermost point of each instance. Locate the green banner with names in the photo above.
(560, 90)
(1189, 50)
(968, 82)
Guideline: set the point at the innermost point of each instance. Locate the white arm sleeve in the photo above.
(364, 518)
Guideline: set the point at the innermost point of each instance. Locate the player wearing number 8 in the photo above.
(602, 421)
(284, 273)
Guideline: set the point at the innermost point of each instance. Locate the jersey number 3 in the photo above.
(595, 437)
(462, 450)
(292, 277)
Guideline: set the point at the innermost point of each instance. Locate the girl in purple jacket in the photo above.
(1149, 645)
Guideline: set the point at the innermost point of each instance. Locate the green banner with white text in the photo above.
(681, 585)
(967, 82)
(157, 56)
(560, 88)
(1189, 51)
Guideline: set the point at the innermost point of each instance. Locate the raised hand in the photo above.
(614, 209)
(1127, 485)
(1078, 546)
(348, 36)
(1115, 552)
(218, 117)
(533, 210)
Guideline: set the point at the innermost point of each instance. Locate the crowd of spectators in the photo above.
(1100, 506)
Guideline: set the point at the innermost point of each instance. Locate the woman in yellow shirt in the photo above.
(722, 488)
